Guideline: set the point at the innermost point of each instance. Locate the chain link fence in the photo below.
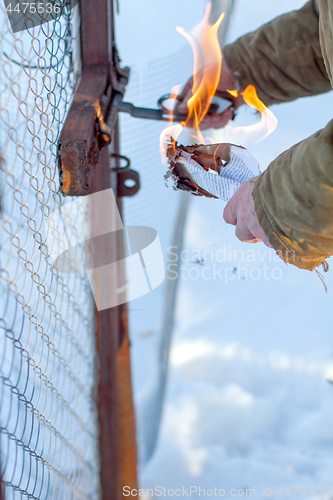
(48, 415)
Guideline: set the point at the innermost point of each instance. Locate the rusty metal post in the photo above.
(96, 34)
(127, 431)
(128, 447)
(96, 46)
(107, 324)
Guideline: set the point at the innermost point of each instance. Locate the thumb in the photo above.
(187, 87)
(182, 106)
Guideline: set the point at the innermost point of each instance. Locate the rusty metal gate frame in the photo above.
(84, 168)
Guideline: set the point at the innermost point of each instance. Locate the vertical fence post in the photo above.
(107, 323)
(128, 448)
(96, 47)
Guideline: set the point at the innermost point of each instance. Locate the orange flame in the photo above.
(206, 74)
(207, 67)
(234, 93)
(251, 133)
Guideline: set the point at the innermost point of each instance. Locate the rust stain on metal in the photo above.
(83, 135)
(76, 167)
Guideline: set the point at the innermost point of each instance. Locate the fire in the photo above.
(207, 67)
(268, 121)
(206, 74)
(252, 133)
(234, 93)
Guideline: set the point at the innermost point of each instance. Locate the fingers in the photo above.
(182, 106)
(211, 120)
(214, 120)
(229, 214)
(243, 234)
(187, 87)
(255, 235)
(184, 96)
(260, 234)
(238, 213)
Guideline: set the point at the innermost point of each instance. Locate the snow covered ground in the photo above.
(249, 400)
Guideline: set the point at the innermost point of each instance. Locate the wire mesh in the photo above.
(158, 207)
(48, 415)
(151, 316)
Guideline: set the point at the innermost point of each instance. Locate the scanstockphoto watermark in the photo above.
(224, 264)
(162, 491)
(264, 491)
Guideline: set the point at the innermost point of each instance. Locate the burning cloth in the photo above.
(214, 170)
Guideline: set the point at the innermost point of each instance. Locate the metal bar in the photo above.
(127, 430)
(96, 34)
(221, 101)
(149, 114)
(98, 54)
(107, 322)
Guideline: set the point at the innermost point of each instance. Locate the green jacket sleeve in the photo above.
(282, 59)
(294, 196)
(294, 201)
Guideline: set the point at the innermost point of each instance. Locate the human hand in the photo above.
(240, 212)
(213, 120)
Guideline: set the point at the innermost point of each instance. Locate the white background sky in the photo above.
(248, 403)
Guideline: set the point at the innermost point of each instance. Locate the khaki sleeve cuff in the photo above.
(281, 244)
